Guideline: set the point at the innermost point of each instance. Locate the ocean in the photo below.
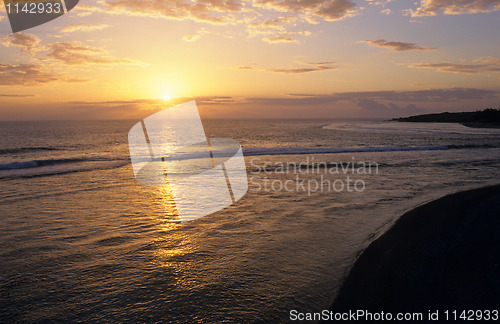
(82, 241)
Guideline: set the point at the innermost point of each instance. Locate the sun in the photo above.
(166, 97)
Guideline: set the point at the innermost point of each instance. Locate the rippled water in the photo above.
(81, 240)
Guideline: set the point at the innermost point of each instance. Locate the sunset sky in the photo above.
(254, 59)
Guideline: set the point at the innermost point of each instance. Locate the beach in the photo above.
(443, 255)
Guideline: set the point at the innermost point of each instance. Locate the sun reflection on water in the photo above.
(173, 249)
(163, 196)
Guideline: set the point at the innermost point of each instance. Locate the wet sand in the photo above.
(444, 255)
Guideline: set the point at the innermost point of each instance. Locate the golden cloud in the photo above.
(73, 28)
(397, 46)
(76, 53)
(26, 42)
(278, 39)
(30, 75)
(211, 11)
(291, 13)
(488, 64)
(191, 38)
(454, 7)
(311, 10)
(315, 67)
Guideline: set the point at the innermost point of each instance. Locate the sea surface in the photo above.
(82, 241)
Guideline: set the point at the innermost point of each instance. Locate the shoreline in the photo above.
(481, 125)
(443, 255)
(466, 124)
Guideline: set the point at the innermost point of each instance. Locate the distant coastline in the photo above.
(487, 118)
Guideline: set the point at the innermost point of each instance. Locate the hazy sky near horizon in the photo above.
(254, 59)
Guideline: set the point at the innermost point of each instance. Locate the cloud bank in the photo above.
(76, 53)
(397, 46)
(68, 53)
(313, 67)
(258, 15)
(486, 64)
(454, 7)
(29, 75)
(26, 42)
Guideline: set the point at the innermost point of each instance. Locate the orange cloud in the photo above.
(488, 64)
(271, 26)
(454, 7)
(73, 28)
(29, 75)
(322, 66)
(278, 39)
(71, 53)
(243, 11)
(26, 42)
(76, 53)
(458, 68)
(16, 95)
(191, 38)
(277, 30)
(329, 10)
(84, 10)
(211, 11)
(396, 46)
